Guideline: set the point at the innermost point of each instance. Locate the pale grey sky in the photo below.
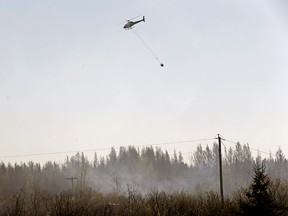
(71, 78)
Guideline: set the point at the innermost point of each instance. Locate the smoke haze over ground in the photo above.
(145, 169)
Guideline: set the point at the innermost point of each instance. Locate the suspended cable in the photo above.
(161, 64)
(254, 149)
(103, 149)
(241, 165)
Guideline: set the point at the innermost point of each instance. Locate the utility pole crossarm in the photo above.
(72, 181)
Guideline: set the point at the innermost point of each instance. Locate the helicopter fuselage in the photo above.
(130, 24)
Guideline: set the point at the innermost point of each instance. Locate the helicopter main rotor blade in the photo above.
(133, 18)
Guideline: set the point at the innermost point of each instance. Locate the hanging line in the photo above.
(148, 47)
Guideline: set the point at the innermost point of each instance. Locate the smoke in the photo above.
(145, 170)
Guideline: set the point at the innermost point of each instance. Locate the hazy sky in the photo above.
(72, 79)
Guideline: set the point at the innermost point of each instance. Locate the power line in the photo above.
(254, 149)
(104, 149)
(144, 145)
(240, 164)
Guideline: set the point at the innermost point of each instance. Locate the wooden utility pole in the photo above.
(72, 181)
(220, 168)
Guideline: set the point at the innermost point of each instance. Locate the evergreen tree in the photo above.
(257, 199)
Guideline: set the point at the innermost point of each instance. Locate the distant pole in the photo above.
(220, 168)
(72, 181)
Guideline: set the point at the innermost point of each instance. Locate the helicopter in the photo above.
(130, 24)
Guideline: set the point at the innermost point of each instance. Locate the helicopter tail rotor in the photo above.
(143, 19)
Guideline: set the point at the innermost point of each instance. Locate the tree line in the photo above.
(263, 196)
(136, 177)
(150, 168)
